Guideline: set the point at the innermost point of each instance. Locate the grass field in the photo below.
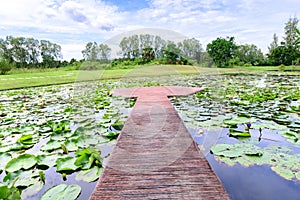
(60, 76)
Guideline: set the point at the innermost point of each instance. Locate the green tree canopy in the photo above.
(290, 31)
(191, 48)
(30, 52)
(249, 53)
(221, 50)
(288, 51)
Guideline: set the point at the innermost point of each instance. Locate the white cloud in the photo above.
(76, 22)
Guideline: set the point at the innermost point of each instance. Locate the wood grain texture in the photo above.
(155, 156)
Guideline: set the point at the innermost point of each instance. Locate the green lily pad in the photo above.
(71, 145)
(89, 175)
(237, 133)
(272, 126)
(88, 157)
(7, 193)
(118, 125)
(4, 158)
(111, 135)
(26, 139)
(238, 120)
(28, 178)
(32, 190)
(51, 145)
(61, 192)
(66, 164)
(235, 150)
(48, 160)
(283, 172)
(24, 161)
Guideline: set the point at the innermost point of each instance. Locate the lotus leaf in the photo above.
(237, 133)
(89, 175)
(61, 192)
(48, 160)
(24, 161)
(51, 145)
(111, 135)
(7, 193)
(4, 158)
(238, 120)
(33, 189)
(66, 164)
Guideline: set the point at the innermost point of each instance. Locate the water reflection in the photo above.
(249, 183)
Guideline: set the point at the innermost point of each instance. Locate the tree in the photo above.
(126, 48)
(290, 31)
(221, 50)
(148, 54)
(91, 51)
(283, 55)
(297, 42)
(33, 50)
(191, 48)
(50, 54)
(29, 52)
(172, 53)
(18, 51)
(5, 66)
(274, 43)
(288, 51)
(158, 46)
(95, 52)
(5, 50)
(249, 54)
(104, 53)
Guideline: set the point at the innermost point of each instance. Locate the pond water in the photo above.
(69, 122)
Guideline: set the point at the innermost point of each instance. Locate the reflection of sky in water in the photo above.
(254, 182)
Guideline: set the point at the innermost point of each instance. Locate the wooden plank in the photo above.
(155, 156)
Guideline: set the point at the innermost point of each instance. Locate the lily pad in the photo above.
(62, 192)
(111, 135)
(238, 120)
(32, 190)
(89, 175)
(24, 161)
(26, 139)
(66, 164)
(238, 133)
(88, 157)
(48, 160)
(7, 193)
(4, 158)
(51, 145)
(235, 150)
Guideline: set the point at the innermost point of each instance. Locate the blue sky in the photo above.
(73, 23)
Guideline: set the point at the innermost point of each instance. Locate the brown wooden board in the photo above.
(155, 157)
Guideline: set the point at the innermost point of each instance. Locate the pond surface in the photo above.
(71, 123)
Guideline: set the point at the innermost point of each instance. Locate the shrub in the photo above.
(248, 65)
(5, 66)
(281, 67)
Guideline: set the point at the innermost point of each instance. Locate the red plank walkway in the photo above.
(155, 157)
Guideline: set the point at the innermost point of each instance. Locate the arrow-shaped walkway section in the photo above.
(155, 157)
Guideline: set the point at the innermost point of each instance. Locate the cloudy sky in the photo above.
(73, 23)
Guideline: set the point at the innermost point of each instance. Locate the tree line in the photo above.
(225, 52)
(145, 48)
(21, 52)
(30, 53)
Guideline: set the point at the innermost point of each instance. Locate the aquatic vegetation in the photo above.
(66, 128)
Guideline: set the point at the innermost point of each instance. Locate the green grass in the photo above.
(31, 78)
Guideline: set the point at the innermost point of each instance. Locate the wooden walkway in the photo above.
(155, 157)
